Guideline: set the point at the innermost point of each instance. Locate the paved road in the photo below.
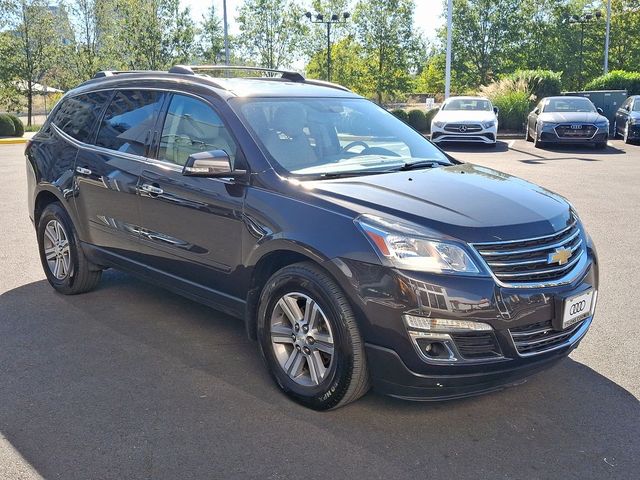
(133, 382)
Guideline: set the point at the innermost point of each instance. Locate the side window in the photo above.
(128, 120)
(77, 115)
(192, 126)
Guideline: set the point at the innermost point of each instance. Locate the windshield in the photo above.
(636, 105)
(468, 104)
(569, 105)
(332, 136)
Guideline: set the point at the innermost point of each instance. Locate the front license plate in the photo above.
(577, 308)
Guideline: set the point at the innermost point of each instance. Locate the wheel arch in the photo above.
(280, 255)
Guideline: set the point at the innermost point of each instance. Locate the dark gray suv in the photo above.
(354, 250)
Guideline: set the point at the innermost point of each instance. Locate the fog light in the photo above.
(443, 325)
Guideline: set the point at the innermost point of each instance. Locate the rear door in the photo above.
(191, 226)
(107, 173)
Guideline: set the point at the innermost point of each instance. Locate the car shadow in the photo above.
(500, 146)
(131, 381)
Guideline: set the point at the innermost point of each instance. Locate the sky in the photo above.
(427, 16)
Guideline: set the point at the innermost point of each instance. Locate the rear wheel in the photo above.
(65, 265)
(529, 137)
(309, 338)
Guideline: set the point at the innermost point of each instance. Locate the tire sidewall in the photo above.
(334, 386)
(56, 212)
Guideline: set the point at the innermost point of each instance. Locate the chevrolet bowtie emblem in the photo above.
(560, 256)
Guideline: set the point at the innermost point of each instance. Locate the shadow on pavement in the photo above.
(131, 381)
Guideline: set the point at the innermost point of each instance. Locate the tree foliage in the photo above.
(271, 31)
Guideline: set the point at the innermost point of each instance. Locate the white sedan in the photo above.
(465, 119)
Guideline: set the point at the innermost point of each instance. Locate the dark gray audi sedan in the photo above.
(569, 120)
(356, 253)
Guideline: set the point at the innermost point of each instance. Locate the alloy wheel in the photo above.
(56, 249)
(302, 339)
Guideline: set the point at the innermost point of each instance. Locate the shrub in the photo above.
(18, 125)
(429, 117)
(401, 114)
(418, 120)
(7, 128)
(540, 83)
(514, 107)
(513, 98)
(617, 80)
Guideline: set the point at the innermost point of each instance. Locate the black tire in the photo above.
(529, 137)
(347, 377)
(625, 135)
(537, 143)
(82, 276)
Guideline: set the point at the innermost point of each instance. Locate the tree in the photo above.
(349, 67)
(34, 47)
(271, 31)
(211, 40)
(624, 53)
(385, 32)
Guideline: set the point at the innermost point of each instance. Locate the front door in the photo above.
(191, 226)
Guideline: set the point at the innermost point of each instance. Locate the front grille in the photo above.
(541, 337)
(475, 345)
(568, 130)
(525, 261)
(463, 127)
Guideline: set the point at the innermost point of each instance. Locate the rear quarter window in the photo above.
(76, 116)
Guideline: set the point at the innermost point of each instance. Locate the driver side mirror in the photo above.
(212, 164)
(496, 110)
(536, 110)
(600, 111)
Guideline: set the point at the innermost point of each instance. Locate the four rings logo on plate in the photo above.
(578, 307)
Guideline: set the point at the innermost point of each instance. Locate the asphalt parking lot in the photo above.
(131, 381)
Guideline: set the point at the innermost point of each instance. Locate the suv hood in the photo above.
(467, 202)
(569, 117)
(464, 116)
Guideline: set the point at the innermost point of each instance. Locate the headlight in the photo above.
(489, 124)
(634, 121)
(407, 247)
(439, 124)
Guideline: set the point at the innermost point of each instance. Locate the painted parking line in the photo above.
(512, 143)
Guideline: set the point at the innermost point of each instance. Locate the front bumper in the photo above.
(483, 135)
(382, 297)
(554, 133)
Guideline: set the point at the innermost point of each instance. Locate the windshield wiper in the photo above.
(423, 164)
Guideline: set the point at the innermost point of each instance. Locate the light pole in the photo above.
(335, 18)
(584, 19)
(606, 39)
(447, 74)
(226, 33)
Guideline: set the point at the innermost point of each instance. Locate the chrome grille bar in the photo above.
(530, 262)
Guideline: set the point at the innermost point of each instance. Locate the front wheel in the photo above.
(626, 134)
(65, 265)
(309, 338)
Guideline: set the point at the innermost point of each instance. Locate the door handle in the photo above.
(151, 189)
(83, 171)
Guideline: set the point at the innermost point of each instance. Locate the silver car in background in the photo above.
(571, 120)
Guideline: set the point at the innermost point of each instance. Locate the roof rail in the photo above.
(111, 73)
(193, 69)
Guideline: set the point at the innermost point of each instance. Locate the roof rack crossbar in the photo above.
(192, 69)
